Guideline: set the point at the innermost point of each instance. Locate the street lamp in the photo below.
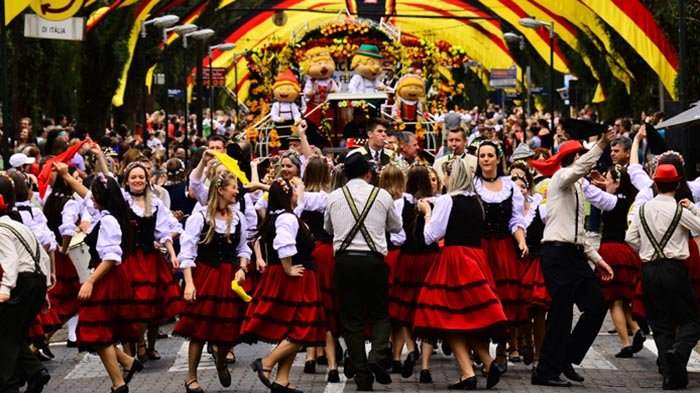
(533, 23)
(223, 48)
(514, 38)
(199, 35)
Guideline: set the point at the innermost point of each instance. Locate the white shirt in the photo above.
(190, 238)
(359, 84)
(437, 227)
(36, 221)
(15, 259)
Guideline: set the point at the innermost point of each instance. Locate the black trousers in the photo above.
(672, 308)
(363, 293)
(16, 359)
(569, 280)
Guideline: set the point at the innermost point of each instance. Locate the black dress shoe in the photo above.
(225, 381)
(71, 344)
(348, 369)
(409, 363)
(446, 348)
(333, 376)
(571, 374)
(464, 384)
(555, 382)
(257, 366)
(198, 389)
(136, 366)
(494, 375)
(277, 388)
(638, 341)
(425, 376)
(310, 367)
(625, 353)
(675, 371)
(122, 389)
(380, 374)
(36, 382)
(47, 351)
(396, 367)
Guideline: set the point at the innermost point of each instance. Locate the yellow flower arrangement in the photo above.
(274, 140)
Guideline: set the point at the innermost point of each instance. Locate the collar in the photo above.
(23, 203)
(357, 181)
(665, 198)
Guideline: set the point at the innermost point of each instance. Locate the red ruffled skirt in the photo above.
(156, 293)
(64, 295)
(325, 262)
(391, 259)
(285, 307)
(457, 297)
(217, 313)
(409, 277)
(534, 292)
(107, 317)
(627, 271)
(47, 321)
(507, 269)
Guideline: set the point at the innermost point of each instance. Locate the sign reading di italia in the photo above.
(72, 29)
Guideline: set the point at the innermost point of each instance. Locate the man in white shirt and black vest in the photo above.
(659, 232)
(568, 277)
(359, 215)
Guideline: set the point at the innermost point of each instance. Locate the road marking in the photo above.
(693, 362)
(180, 364)
(596, 360)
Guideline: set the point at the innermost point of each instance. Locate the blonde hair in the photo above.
(461, 178)
(393, 180)
(223, 180)
(359, 59)
(314, 54)
(147, 191)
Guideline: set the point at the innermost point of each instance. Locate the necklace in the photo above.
(137, 194)
(490, 180)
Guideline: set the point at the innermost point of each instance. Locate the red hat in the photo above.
(287, 78)
(549, 166)
(666, 173)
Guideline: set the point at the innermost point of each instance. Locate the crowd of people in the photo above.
(485, 242)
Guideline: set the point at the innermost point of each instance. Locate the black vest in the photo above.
(91, 242)
(305, 246)
(413, 225)
(498, 216)
(464, 226)
(314, 220)
(219, 250)
(144, 229)
(534, 234)
(615, 221)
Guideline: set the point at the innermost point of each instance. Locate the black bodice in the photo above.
(91, 242)
(304, 244)
(314, 220)
(464, 226)
(413, 224)
(220, 249)
(534, 234)
(615, 221)
(144, 229)
(498, 216)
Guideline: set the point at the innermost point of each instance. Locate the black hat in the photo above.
(356, 166)
(655, 142)
(583, 129)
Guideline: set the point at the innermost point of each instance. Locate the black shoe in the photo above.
(277, 388)
(195, 390)
(446, 348)
(638, 341)
(675, 375)
(425, 376)
(348, 369)
(136, 366)
(40, 355)
(36, 382)
(310, 367)
(225, 381)
(625, 353)
(494, 375)
(162, 335)
(380, 374)
(153, 354)
(409, 363)
(71, 344)
(464, 384)
(528, 356)
(47, 351)
(122, 389)
(571, 374)
(333, 376)
(555, 382)
(322, 360)
(257, 366)
(396, 367)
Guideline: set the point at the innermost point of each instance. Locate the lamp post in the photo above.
(520, 40)
(199, 35)
(533, 23)
(223, 48)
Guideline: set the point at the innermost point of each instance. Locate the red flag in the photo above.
(64, 157)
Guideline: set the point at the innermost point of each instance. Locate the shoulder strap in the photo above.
(36, 255)
(359, 219)
(659, 246)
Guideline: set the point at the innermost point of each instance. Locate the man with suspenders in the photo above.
(359, 215)
(659, 232)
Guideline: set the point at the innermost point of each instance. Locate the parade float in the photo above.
(327, 58)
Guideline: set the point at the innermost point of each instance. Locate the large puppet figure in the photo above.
(367, 64)
(285, 112)
(319, 66)
(408, 107)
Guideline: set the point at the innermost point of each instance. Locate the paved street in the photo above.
(78, 372)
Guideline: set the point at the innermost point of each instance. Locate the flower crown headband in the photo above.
(667, 154)
(497, 146)
(220, 179)
(283, 184)
(102, 178)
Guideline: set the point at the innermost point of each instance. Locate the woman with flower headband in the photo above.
(533, 291)
(156, 293)
(414, 261)
(176, 186)
(458, 300)
(214, 252)
(287, 308)
(503, 204)
(105, 312)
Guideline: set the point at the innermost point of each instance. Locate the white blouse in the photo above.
(37, 222)
(109, 238)
(517, 218)
(597, 197)
(437, 227)
(286, 228)
(191, 236)
(535, 201)
(166, 224)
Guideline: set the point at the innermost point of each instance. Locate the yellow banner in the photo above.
(14, 8)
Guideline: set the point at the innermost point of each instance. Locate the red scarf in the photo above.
(65, 157)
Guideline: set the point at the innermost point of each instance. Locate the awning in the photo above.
(687, 118)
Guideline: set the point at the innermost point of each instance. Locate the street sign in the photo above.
(72, 29)
(503, 78)
(538, 91)
(514, 96)
(218, 76)
(56, 9)
(175, 93)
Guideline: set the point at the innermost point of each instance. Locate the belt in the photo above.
(31, 275)
(350, 253)
(577, 247)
